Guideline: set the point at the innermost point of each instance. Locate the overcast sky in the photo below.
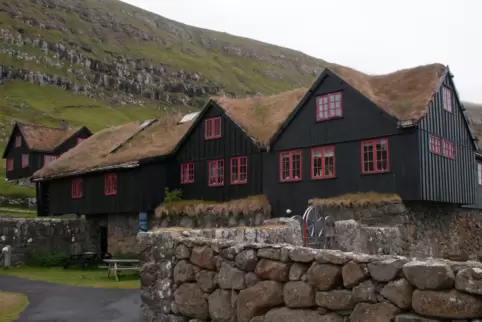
(373, 36)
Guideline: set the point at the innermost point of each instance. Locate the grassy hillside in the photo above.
(101, 63)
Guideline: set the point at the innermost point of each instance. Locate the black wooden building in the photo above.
(402, 133)
(31, 147)
(121, 169)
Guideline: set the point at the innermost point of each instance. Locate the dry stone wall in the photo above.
(63, 235)
(204, 279)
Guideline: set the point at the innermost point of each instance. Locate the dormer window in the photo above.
(328, 106)
(212, 128)
(18, 141)
(447, 99)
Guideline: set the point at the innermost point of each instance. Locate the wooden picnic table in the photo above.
(84, 258)
(118, 265)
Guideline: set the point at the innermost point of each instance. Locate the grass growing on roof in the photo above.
(360, 199)
(246, 206)
(11, 305)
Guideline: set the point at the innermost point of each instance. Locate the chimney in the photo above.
(63, 124)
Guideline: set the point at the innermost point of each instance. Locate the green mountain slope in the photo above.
(104, 62)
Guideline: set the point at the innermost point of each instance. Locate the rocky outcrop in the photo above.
(255, 282)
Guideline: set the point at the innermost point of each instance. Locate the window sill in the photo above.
(329, 119)
(288, 181)
(237, 183)
(215, 185)
(212, 138)
(371, 173)
(323, 178)
(110, 194)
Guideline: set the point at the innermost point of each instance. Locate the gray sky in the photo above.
(373, 36)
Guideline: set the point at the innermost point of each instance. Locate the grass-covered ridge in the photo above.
(354, 200)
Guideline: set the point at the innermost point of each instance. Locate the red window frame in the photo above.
(25, 160)
(329, 106)
(79, 140)
(9, 164)
(290, 170)
(376, 167)
(18, 141)
(217, 178)
(110, 184)
(318, 167)
(238, 170)
(479, 173)
(447, 99)
(449, 149)
(435, 145)
(187, 172)
(212, 128)
(52, 156)
(76, 188)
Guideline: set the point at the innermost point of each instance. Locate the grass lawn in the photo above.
(17, 212)
(74, 277)
(11, 304)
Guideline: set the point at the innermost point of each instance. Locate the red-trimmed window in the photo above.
(323, 162)
(328, 106)
(49, 158)
(18, 141)
(447, 99)
(25, 159)
(375, 156)
(479, 173)
(435, 145)
(212, 128)
(187, 173)
(76, 188)
(110, 184)
(79, 140)
(215, 173)
(9, 164)
(290, 166)
(449, 149)
(239, 170)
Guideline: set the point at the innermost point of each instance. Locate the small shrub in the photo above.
(172, 196)
(46, 258)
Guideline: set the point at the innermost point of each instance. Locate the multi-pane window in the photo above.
(375, 156)
(110, 184)
(9, 164)
(449, 149)
(18, 141)
(435, 145)
(187, 173)
(239, 170)
(215, 173)
(79, 140)
(447, 98)
(77, 188)
(49, 158)
(479, 173)
(328, 106)
(290, 166)
(25, 159)
(212, 128)
(323, 162)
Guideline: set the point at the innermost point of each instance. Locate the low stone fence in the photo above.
(201, 279)
(63, 235)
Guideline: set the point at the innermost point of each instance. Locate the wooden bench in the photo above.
(118, 265)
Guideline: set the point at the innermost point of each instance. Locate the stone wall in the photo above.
(27, 235)
(414, 230)
(208, 220)
(201, 279)
(122, 232)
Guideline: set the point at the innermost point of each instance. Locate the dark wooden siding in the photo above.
(15, 153)
(234, 142)
(478, 189)
(36, 158)
(443, 179)
(138, 189)
(361, 120)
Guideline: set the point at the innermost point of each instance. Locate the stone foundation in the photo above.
(201, 279)
(419, 230)
(62, 235)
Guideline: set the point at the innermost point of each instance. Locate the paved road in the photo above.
(60, 303)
